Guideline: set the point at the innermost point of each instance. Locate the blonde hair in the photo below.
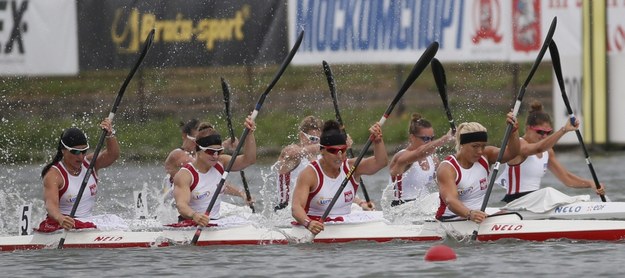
(310, 123)
(467, 128)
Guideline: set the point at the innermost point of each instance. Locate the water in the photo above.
(21, 184)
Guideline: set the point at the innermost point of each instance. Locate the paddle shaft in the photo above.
(441, 83)
(418, 68)
(259, 105)
(350, 153)
(515, 112)
(118, 99)
(226, 90)
(557, 67)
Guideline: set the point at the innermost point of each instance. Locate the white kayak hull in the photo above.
(579, 210)
(241, 235)
(371, 231)
(512, 226)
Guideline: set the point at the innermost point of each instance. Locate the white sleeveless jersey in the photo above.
(472, 184)
(325, 190)
(71, 186)
(412, 183)
(203, 185)
(286, 182)
(526, 176)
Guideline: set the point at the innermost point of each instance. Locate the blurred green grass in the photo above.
(35, 110)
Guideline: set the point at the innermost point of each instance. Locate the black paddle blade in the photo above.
(539, 57)
(146, 46)
(441, 83)
(226, 90)
(418, 68)
(332, 84)
(283, 67)
(557, 68)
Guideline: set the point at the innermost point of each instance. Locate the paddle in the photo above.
(557, 67)
(418, 68)
(332, 84)
(259, 104)
(226, 89)
(441, 83)
(515, 112)
(146, 46)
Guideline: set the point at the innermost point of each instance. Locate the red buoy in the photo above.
(440, 253)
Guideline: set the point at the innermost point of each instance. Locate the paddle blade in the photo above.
(441, 83)
(332, 85)
(539, 57)
(146, 46)
(557, 68)
(418, 68)
(283, 67)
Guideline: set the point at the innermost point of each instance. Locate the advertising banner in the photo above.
(38, 37)
(188, 33)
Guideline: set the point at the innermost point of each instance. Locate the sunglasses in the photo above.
(426, 138)
(211, 151)
(312, 138)
(542, 132)
(335, 150)
(75, 151)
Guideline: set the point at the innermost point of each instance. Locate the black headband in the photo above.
(479, 136)
(73, 137)
(333, 138)
(209, 140)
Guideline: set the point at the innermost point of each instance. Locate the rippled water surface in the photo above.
(21, 184)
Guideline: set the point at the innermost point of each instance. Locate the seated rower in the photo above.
(185, 154)
(463, 177)
(523, 174)
(295, 157)
(197, 181)
(412, 169)
(63, 177)
(319, 181)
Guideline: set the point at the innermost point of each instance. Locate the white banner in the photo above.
(397, 31)
(38, 37)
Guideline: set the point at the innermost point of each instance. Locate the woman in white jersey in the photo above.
(63, 177)
(524, 173)
(318, 182)
(413, 167)
(294, 158)
(463, 177)
(196, 182)
(185, 154)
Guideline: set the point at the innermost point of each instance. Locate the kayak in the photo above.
(513, 226)
(153, 235)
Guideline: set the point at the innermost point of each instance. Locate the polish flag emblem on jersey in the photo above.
(349, 196)
(483, 184)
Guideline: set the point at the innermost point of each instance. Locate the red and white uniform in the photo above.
(525, 177)
(325, 190)
(472, 184)
(71, 186)
(203, 185)
(412, 184)
(286, 182)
